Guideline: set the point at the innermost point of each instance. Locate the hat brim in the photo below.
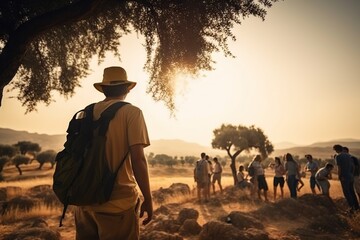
(99, 85)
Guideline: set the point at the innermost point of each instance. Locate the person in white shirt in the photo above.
(217, 175)
(322, 176)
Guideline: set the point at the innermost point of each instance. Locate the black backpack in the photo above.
(251, 170)
(82, 175)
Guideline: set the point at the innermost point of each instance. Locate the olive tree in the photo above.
(27, 146)
(47, 46)
(236, 139)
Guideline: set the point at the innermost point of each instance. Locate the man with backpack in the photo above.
(201, 177)
(126, 138)
(346, 176)
(356, 171)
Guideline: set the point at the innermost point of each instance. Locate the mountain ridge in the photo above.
(178, 147)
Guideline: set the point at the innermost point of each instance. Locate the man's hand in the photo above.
(147, 207)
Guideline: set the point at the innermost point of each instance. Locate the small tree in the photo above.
(7, 150)
(152, 162)
(236, 139)
(171, 162)
(163, 159)
(190, 160)
(27, 146)
(182, 161)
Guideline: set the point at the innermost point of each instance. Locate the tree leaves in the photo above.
(180, 35)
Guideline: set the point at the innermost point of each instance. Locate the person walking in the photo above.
(217, 175)
(322, 177)
(346, 176)
(127, 137)
(312, 167)
(292, 173)
(279, 180)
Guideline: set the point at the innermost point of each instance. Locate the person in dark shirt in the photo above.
(356, 172)
(346, 176)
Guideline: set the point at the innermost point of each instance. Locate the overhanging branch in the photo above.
(18, 42)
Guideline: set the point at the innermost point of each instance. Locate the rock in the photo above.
(190, 227)
(175, 189)
(162, 210)
(166, 225)
(180, 188)
(215, 230)
(330, 223)
(187, 213)
(243, 220)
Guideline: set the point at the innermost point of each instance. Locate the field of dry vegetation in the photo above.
(31, 211)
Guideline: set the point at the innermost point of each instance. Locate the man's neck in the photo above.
(114, 98)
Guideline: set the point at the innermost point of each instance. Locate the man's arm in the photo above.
(140, 169)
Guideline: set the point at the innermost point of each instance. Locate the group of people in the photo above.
(291, 173)
(206, 174)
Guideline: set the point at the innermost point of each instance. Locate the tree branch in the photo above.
(18, 42)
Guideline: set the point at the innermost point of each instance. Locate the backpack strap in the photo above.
(107, 115)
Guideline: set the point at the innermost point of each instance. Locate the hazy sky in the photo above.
(295, 75)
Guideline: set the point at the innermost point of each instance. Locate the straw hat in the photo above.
(114, 76)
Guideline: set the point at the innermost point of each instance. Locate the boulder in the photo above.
(190, 227)
(164, 225)
(215, 230)
(243, 220)
(187, 213)
(175, 189)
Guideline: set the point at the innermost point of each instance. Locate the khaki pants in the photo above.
(107, 226)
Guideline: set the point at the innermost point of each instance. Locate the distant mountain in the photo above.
(323, 150)
(10, 137)
(284, 145)
(176, 147)
(349, 142)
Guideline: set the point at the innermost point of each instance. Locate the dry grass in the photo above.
(26, 184)
(37, 211)
(160, 177)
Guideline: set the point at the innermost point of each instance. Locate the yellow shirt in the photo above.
(127, 128)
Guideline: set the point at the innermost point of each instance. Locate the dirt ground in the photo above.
(309, 217)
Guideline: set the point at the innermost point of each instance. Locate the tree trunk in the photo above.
(233, 170)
